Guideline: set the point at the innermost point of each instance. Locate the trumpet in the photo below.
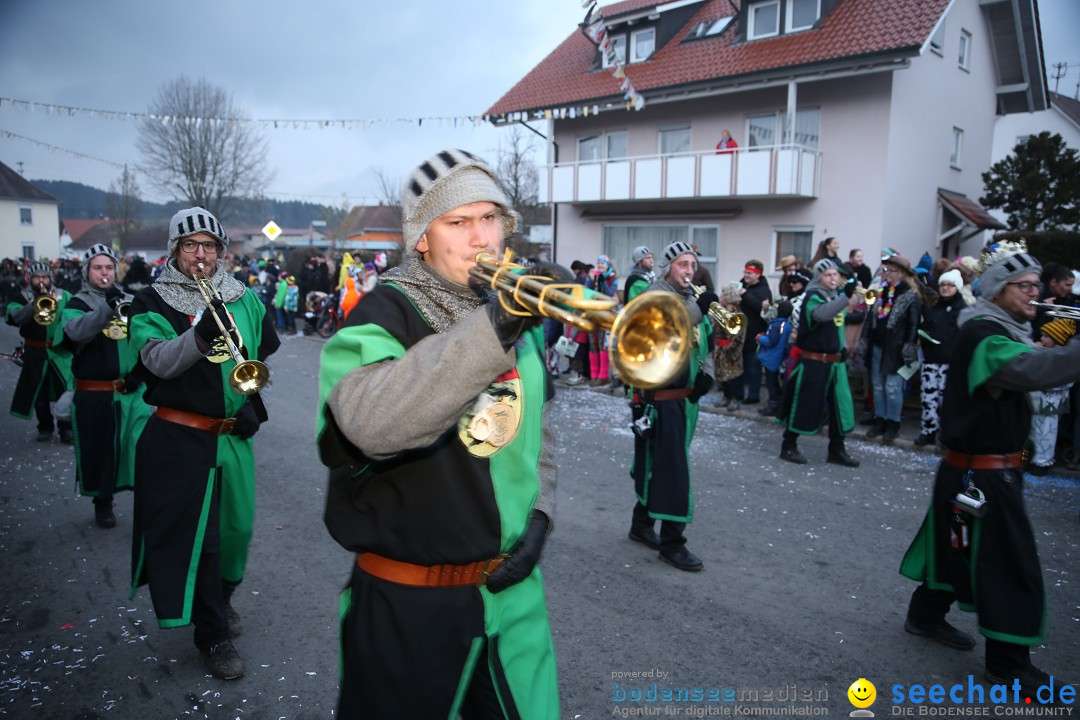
(1058, 311)
(650, 338)
(732, 322)
(45, 309)
(117, 329)
(249, 376)
(868, 295)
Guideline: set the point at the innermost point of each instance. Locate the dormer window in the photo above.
(642, 44)
(802, 14)
(618, 45)
(709, 28)
(764, 20)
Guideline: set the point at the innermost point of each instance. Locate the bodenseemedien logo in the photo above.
(862, 694)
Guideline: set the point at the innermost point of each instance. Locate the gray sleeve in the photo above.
(83, 328)
(1042, 369)
(22, 316)
(545, 501)
(398, 405)
(826, 311)
(168, 358)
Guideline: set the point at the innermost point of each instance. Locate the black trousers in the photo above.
(671, 532)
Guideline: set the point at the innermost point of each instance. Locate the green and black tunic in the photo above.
(414, 651)
(184, 475)
(45, 369)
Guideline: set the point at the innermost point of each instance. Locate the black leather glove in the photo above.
(207, 328)
(113, 296)
(247, 422)
(705, 301)
(702, 385)
(849, 287)
(556, 272)
(131, 384)
(523, 557)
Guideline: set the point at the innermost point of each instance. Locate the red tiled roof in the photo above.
(854, 28)
(972, 211)
(76, 228)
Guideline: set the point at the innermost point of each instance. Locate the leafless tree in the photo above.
(197, 145)
(388, 187)
(123, 206)
(520, 178)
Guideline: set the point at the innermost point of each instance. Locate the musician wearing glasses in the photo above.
(46, 370)
(194, 465)
(107, 410)
(976, 545)
(664, 422)
(433, 424)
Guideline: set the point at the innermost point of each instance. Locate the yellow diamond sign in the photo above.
(271, 230)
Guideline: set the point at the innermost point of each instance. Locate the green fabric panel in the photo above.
(193, 564)
(797, 378)
(143, 328)
(134, 412)
(920, 553)
(59, 355)
(466, 677)
(810, 303)
(349, 348)
(845, 411)
(518, 616)
(236, 458)
(514, 467)
(247, 313)
(990, 354)
(12, 307)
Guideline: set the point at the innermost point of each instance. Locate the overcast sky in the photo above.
(283, 59)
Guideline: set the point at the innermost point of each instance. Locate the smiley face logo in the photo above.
(862, 693)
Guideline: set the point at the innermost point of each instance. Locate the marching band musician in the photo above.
(433, 425)
(194, 465)
(976, 545)
(819, 383)
(661, 468)
(46, 370)
(107, 410)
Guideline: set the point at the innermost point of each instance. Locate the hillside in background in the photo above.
(82, 202)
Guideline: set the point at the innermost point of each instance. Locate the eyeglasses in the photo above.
(189, 246)
(1026, 287)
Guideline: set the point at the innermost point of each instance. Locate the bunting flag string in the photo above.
(596, 30)
(54, 148)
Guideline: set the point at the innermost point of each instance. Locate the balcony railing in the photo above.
(773, 171)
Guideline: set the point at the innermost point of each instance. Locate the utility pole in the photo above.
(1059, 72)
(20, 164)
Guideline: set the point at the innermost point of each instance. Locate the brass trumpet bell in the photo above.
(868, 295)
(650, 337)
(732, 322)
(45, 310)
(249, 376)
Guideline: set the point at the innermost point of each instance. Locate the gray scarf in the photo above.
(182, 294)
(687, 295)
(441, 302)
(1018, 330)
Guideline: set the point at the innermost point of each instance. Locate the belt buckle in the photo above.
(490, 565)
(225, 426)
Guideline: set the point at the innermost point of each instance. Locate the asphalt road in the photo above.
(800, 595)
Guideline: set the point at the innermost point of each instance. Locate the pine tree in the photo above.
(1038, 185)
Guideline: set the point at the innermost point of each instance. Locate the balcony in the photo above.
(774, 171)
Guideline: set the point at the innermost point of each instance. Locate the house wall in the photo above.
(43, 234)
(929, 99)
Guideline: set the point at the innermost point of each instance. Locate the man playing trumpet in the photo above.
(433, 424)
(46, 369)
(194, 465)
(107, 410)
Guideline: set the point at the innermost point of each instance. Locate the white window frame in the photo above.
(808, 229)
(752, 29)
(965, 50)
(599, 137)
(957, 147)
(937, 40)
(28, 217)
(671, 128)
(607, 145)
(604, 139)
(634, 57)
(615, 42)
(790, 19)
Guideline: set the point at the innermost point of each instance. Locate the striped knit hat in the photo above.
(446, 181)
(195, 220)
(1059, 330)
(40, 268)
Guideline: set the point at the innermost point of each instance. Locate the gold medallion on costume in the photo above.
(117, 329)
(697, 336)
(494, 419)
(219, 349)
(838, 319)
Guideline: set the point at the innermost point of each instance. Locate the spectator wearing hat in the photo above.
(888, 343)
(432, 420)
(641, 275)
(756, 296)
(788, 265)
(107, 408)
(46, 370)
(664, 422)
(988, 561)
(937, 336)
(194, 462)
(818, 384)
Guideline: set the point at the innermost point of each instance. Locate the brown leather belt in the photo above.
(43, 344)
(821, 357)
(100, 385)
(405, 573)
(661, 395)
(983, 462)
(221, 426)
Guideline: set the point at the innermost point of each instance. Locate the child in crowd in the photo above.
(772, 349)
